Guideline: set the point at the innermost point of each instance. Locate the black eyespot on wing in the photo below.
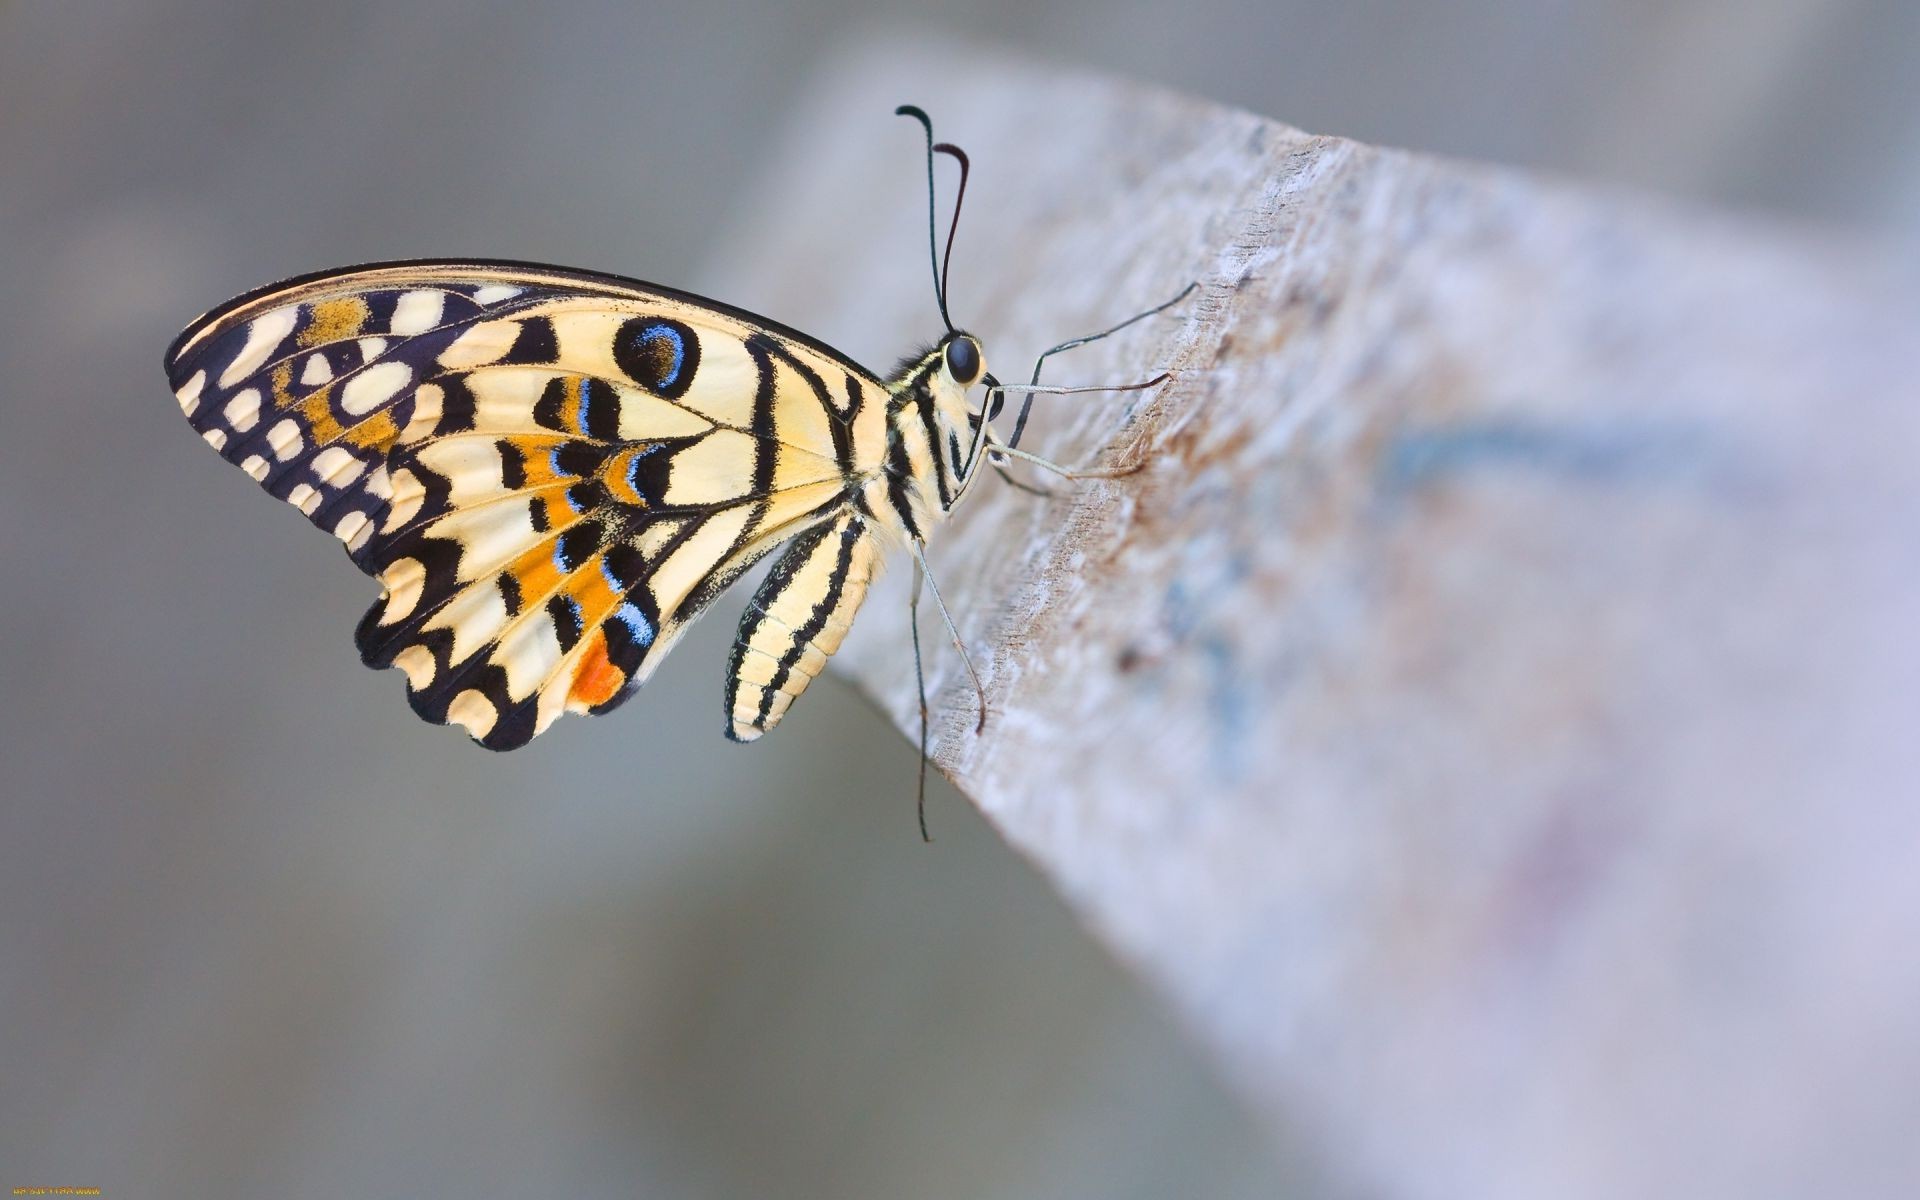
(963, 359)
(659, 355)
(625, 566)
(564, 611)
(575, 545)
(587, 495)
(648, 473)
(578, 458)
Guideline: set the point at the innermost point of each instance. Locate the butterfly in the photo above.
(552, 473)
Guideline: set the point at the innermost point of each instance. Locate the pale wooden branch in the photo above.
(1489, 715)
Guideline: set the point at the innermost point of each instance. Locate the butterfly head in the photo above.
(937, 423)
(962, 359)
(948, 371)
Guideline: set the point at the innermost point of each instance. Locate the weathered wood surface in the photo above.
(1489, 715)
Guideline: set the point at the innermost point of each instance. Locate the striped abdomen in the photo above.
(796, 621)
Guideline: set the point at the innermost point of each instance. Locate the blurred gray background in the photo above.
(263, 933)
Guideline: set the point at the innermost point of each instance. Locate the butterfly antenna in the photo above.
(946, 262)
(933, 216)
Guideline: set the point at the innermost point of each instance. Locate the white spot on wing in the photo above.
(217, 438)
(243, 411)
(189, 393)
(255, 466)
(474, 711)
(316, 371)
(284, 440)
(417, 312)
(417, 662)
(405, 579)
(374, 386)
(351, 526)
(494, 293)
(336, 465)
(304, 498)
(371, 348)
(263, 336)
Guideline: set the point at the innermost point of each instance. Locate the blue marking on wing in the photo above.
(670, 334)
(636, 622)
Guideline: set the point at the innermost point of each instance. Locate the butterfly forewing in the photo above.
(550, 472)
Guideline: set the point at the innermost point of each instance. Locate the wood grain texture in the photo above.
(1488, 716)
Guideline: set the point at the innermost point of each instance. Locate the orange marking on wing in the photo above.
(377, 432)
(331, 320)
(536, 453)
(597, 679)
(318, 416)
(588, 587)
(553, 510)
(614, 474)
(570, 403)
(537, 573)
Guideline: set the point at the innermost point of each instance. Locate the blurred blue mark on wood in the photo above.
(1230, 705)
(1606, 454)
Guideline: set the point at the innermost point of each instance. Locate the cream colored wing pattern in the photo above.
(550, 472)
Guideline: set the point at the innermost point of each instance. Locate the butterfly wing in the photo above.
(550, 472)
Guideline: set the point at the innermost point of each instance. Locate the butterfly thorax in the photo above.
(932, 437)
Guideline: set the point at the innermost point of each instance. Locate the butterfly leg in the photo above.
(1021, 486)
(1067, 472)
(979, 690)
(923, 574)
(1026, 406)
(1001, 452)
(920, 687)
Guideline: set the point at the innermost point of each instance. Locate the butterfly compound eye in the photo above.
(963, 359)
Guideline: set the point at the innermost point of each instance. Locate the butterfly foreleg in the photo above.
(1020, 485)
(1026, 405)
(1065, 472)
(796, 621)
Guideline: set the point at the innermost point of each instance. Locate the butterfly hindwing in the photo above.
(551, 473)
